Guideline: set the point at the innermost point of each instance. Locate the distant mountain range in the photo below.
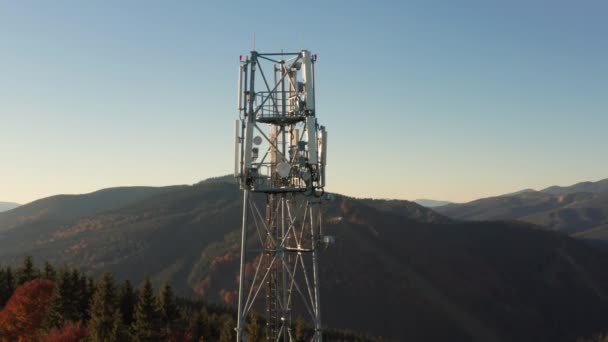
(593, 187)
(4, 206)
(429, 203)
(580, 210)
(398, 269)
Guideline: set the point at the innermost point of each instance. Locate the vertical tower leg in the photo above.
(285, 260)
(240, 323)
(272, 285)
(315, 223)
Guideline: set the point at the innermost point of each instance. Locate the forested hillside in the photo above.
(64, 304)
(397, 269)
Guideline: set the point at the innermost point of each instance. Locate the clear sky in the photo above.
(449, 100)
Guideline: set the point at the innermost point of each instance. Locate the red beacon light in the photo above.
(240, 57)
(314, 57)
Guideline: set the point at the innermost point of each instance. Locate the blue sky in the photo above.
(423, 99)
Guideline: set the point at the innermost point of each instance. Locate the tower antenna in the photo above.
(280, 159)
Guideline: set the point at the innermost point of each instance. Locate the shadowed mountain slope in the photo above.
(54, 210)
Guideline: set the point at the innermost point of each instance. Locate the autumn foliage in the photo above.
(66, 305)
(70, 332)
(22, 317)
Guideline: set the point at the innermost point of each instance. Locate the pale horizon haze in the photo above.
(422, 99)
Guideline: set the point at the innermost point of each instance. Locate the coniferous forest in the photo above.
(63, 304)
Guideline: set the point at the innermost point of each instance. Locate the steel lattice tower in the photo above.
(280, 158)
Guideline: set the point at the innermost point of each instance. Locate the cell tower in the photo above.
(280, 158)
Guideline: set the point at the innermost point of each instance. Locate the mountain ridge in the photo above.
(588, 186)
(72, 206)
(430, 203)
(565, 209)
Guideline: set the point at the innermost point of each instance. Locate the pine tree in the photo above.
(195, 323)
(66, 303)
(127, 299)
(199, 324)
(252, 330)
(49, 271)
(299, 329)
(7, 285)
(215, 326)
(120, 332)
(84, 298)
(75, 296)
(168, 310)
(26, 272)
(60, 307)
(90, 291)
(3, 288)
(227, 329)
(105, 323)
(146, 326)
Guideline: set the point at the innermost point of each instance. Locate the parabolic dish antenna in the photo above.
(257, 140)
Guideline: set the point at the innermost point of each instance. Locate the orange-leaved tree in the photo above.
(69, 332)
(21, 319)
